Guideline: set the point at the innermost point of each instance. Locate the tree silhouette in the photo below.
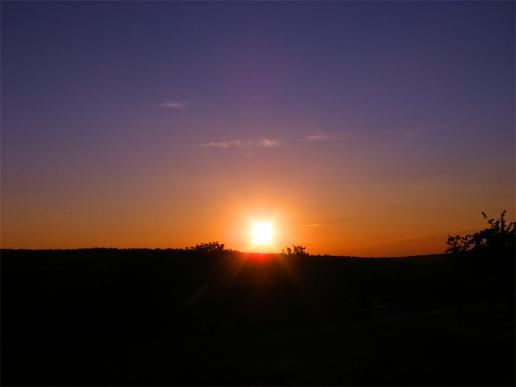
(484, 261)
(499, 238)
(297, 250)
(209, 247)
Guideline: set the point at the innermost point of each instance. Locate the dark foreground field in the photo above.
(169, 317)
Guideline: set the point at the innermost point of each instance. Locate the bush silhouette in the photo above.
(209, 247)
(484, 261)
(497, 238)
(297, 250)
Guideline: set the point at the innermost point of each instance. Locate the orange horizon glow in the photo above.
(265, 229)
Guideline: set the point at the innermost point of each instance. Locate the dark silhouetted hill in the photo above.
(196, 317)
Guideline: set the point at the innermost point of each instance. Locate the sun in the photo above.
(262, 233)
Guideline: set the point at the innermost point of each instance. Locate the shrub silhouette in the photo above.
(209, 247)
(297, 250)
(498, 238)
(484, 261)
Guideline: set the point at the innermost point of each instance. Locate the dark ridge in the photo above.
(184, 317)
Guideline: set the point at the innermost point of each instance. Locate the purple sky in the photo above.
(364, 128)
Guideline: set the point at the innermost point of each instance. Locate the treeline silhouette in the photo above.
(484, 261)
(206, 315)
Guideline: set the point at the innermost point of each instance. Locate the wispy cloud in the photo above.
(417, 131)
(265, 143)
(173, 104)
(223, 144)
(254, 143)
(268, 142)
(324, 222)
(321, 137)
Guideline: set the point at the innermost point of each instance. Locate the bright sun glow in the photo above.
(262, 233)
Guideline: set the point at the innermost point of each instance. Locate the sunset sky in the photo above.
(366, 128)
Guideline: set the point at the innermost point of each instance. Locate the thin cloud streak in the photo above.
(331, 221)
(265, 143)
(173, 104)
(415, 132)
(320, 136)
(257, 143)
(223, 144)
